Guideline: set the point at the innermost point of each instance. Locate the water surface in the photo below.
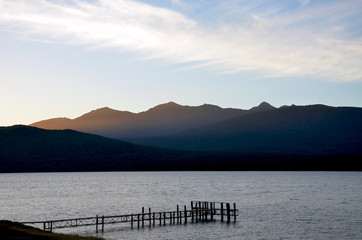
(272, 205)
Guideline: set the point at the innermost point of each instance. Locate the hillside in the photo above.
(162, 120)
(104, 121)
(33, 149)
(314, 129)
(30, 149)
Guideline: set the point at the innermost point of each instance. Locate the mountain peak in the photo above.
(169, 105)
(210, 106)
(264, 106)
(103, 109)
(99, 112)
(105, 114)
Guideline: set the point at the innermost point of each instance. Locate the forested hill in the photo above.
(30, 149)
(313, 130)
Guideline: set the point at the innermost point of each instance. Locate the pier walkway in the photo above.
(200, 212)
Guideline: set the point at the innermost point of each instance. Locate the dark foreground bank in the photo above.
(16, 231)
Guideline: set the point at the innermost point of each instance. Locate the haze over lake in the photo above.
(272, 205)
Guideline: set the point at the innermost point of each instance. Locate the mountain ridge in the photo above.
(313, 129)
(309, 130)
(161, 120)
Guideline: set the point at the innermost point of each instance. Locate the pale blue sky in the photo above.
(63, 58)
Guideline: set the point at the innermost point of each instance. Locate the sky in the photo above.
(63, 58)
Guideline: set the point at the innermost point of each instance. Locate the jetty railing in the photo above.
(200, 212)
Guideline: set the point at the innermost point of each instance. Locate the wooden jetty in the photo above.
(200, 212)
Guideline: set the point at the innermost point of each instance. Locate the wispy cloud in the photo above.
(310, 40)
(177, 2)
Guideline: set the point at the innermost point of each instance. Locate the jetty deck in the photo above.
(200, 211)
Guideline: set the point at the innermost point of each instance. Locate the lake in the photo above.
(272, 205)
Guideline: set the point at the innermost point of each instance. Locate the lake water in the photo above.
(272, 205)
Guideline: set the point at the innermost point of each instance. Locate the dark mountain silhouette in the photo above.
(30, 149)
(264, 106)
(315, 129)
(162, 120)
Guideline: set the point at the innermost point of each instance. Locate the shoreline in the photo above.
(13, 231)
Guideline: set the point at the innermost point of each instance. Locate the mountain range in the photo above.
(175, 137)
(312, 129)
(162, 120)
(315, 129)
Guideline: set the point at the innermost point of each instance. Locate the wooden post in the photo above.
(195, 212)
(170, 218)
(143, 216)
(51, 226)
(211, 212)
(138, 221)
(103, 224)
(153, 223)
(131, 220)
(177, 215)
(44, 226)
(149, 216)
(214, 207)
(234, 212)
(222, 212)
(160, 214)
(228, 212)
(199, 211)
(97, 224)
(206, 210)
(192, 214)
(202, 211)
(192, 211)
(185, 213)
(164, 218)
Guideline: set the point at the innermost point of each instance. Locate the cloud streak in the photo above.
(305, 41)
